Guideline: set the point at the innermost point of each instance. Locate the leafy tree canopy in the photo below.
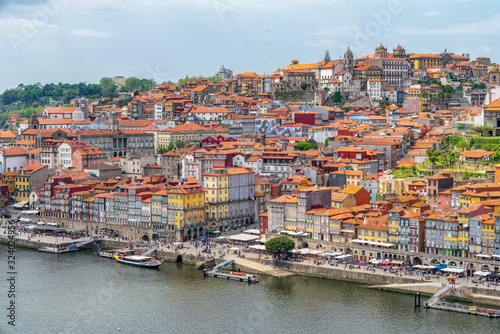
(279, 245)
(305, 146)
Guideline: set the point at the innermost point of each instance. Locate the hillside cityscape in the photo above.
(359, 148)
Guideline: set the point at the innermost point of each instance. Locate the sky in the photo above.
(74, 41)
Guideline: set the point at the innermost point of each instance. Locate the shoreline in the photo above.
(372, 280)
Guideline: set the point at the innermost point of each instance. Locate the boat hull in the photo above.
(105, 255)
(143, 265)
(57, 251)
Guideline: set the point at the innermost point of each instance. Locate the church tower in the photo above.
(348, 60)
(327, 57)
(33, 122)
(494, 77)
(114, 125)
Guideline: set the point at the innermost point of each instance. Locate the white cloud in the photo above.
(15, 24)
(489, 26)
(431, 13)
(92, 33)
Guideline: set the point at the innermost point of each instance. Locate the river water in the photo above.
(82, 293)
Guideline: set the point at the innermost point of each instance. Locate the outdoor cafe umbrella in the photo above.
(451, 277)
(385, 262)
(204, 239)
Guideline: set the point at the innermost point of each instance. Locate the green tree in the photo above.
(424, 94)
(213, 79)
(132, 84)
(279, 245)
(384, 102)
(326, 142)
(161, 150)
(180, 144)
(305, 146)
(414, 170)
(447, 89)
(10, 96)
(337, 97)
(482, 129)
(496, 156)
(303, 86)
(462, 144)
(108, 88)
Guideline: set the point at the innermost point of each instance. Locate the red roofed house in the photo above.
(474, 156)
(12, 159)
(435, 184)
(58, 112)
(87, 157)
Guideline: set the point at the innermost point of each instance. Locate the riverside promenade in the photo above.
(264, 264)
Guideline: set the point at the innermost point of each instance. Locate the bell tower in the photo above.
(33, 122)
(114, 125)
(348, 60)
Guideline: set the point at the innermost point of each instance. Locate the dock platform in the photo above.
(232, 275)
(437, 302)
(456, 307)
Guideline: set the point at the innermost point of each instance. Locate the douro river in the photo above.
(82, 293)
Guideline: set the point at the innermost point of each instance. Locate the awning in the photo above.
(398, 261)
(483, 255)
(258, 247)
(211, 230)
(334, 254)
(340, 257)
(347, 231)
(243, 237)
(252, 231)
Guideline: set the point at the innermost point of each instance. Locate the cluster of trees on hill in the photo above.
(181, 82)
(35, 95)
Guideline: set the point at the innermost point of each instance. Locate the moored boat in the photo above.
(55, 250)
(139, 261)
(105, 254)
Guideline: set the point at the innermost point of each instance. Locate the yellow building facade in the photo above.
(186, 211)
(488, 236)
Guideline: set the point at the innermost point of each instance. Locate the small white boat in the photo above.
(139, 261)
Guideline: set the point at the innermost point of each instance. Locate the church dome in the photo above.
(348, 52)
(381, 48)
(494, 69)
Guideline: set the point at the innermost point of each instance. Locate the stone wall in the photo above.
(299, 95)
(339, 273)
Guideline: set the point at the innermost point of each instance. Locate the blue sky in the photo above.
(83, 40)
